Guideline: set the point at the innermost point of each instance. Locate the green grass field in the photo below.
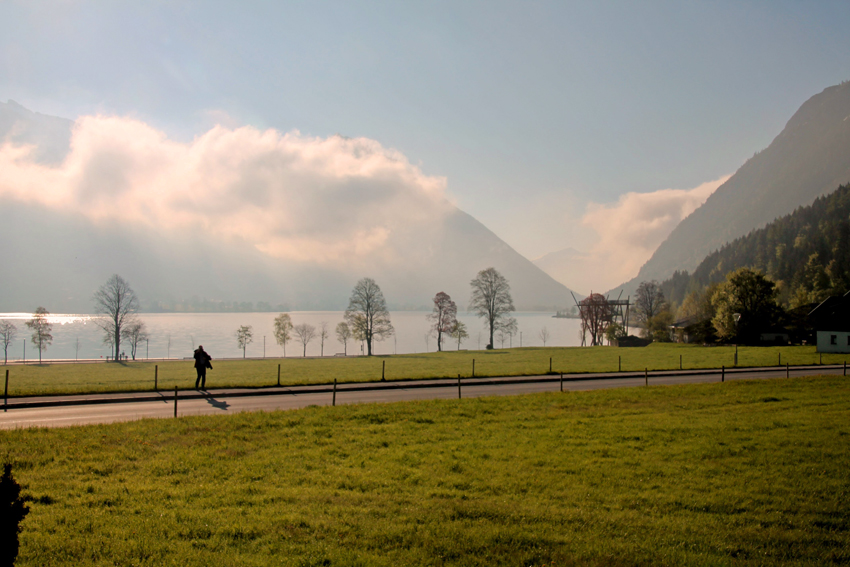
(742, 473)
(34, 379)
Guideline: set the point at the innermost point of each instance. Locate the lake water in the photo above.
(175, 335)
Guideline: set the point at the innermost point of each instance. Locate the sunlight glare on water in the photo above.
(176, 335)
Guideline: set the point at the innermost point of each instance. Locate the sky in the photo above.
(587, 125)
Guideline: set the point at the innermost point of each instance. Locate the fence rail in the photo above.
(336, 387)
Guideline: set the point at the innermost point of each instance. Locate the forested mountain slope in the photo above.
(809, 158)
(807, 253)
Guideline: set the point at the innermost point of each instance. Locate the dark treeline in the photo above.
(807, 254)
(196, 305)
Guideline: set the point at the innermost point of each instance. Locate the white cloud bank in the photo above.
(290, 196)
(628, 233)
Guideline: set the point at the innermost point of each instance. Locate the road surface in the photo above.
(108, 408)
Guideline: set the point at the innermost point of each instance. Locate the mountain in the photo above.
(568, 265)
(50, 135)
(57, 255)
(809, 158)
(807, 252)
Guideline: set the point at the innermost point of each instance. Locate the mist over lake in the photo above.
(176, 335)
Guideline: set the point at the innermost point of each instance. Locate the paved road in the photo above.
(107, 408)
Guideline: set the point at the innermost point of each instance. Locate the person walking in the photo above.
(202, 362)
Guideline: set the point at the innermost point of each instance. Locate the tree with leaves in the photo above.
(283, 330)
(596, 314)
(614, 332)
(491, 299)
(443, 317)
(459, 332)
(367, 314)
(135, 334)
(305, 333)
(117, 303)
(41, 329)
(244, 337)
(343, 335)
(8, 332)
(751, 296)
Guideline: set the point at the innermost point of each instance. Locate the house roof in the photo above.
(832, 314)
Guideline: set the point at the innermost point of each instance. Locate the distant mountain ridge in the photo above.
(58, 259)
(809, 158)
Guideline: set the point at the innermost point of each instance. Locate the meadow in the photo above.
(741, 473)
(69, 378)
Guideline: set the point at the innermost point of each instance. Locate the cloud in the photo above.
(290, 196)
(630, 230)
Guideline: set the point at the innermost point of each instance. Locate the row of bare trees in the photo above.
(366, 319)
(115, 302)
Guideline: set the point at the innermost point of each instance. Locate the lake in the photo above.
(175, 335)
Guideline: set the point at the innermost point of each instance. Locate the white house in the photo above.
(831, 321)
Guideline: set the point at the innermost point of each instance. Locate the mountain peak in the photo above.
(808, 159)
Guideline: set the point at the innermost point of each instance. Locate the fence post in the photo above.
(550, 365)
(458, 386)
(845, 371)
(278, 374)
(820, 358)
(619, 363)
(680, 362)
(156, 377)
(780, 359)
(646, 376)
(6, 392)
(787, 371)
(562, 381)
(175, 401)
(334, 399)
(723, 373)
(473, 368)
(383, 369)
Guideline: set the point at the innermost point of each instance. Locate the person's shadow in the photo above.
(222, 405)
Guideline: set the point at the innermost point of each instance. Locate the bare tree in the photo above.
(649, 302)
(323, 336)
(136, 333)
(343, 335)
(8, 332)
(244, 337)
(508, 327)
(443, 317)
(41, 329)
(367, 313)
(491, 298)
(544, 335)
(117, 302)
(282, 330)
(305, 333)
(459, 332)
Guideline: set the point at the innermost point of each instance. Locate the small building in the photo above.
(775, 335)
(831, 323)
(681, 331)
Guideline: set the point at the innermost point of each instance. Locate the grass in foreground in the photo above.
(28, 380)
(742, 473)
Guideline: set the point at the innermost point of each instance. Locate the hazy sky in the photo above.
(539, 116)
